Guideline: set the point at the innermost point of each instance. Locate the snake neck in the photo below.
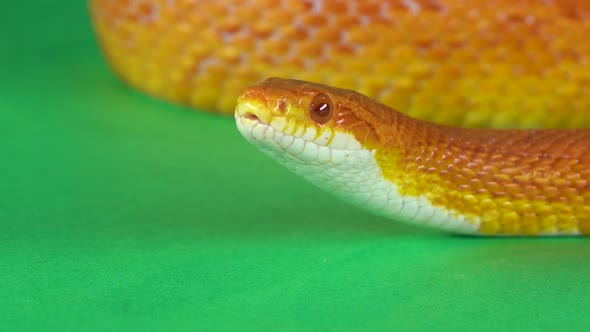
(483, 181)
(487, 179)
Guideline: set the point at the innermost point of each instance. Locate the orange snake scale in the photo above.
(468, 63)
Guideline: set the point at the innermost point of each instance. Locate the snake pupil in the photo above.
(321, 108)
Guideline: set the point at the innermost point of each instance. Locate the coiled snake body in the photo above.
(500, 64)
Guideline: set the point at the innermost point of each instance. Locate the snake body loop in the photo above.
(476, 63)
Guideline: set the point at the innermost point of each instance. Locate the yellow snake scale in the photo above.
(465, 63)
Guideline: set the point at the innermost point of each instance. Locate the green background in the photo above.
(121, 211)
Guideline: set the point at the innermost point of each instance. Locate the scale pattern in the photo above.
(475, 63)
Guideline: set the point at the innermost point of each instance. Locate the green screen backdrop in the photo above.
(122, 212)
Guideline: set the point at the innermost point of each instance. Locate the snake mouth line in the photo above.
(254, 129)
(252, 117)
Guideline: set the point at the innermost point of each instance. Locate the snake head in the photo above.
(347, 144)
(329, 136)
(309, 122)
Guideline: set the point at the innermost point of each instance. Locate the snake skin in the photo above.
(475, 63)
(483, 64)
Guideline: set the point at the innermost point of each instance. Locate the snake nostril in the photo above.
(252, 117)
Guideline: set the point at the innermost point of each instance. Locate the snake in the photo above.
(470, 117)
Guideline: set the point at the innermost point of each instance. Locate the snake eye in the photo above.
(321, 108)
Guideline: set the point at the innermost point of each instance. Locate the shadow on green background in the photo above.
(119, 211)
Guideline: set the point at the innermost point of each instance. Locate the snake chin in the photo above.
(350, 173)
